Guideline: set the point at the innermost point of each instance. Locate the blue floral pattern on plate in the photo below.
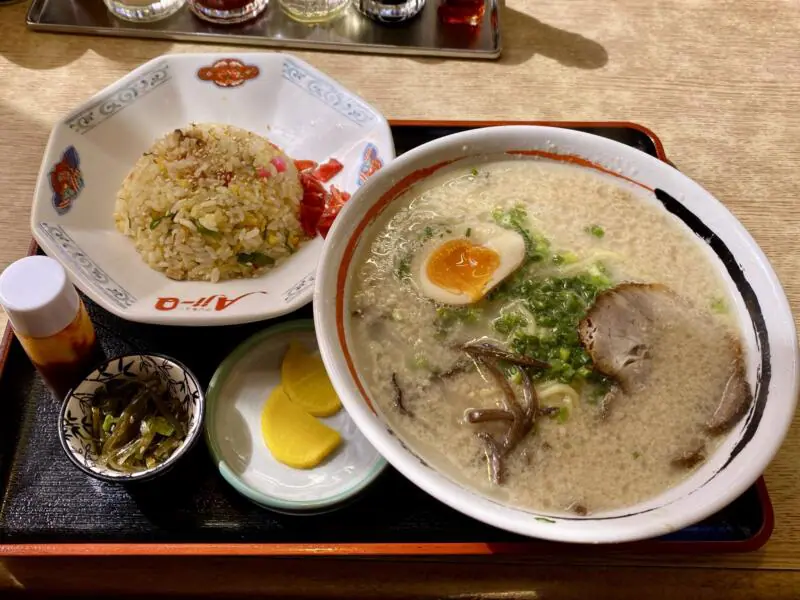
(100, 279)
(109, 105)
(327, 93)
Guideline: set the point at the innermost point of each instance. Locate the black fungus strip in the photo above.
(493, 457)
(579, 509)
(485, 415)
(490, 350)
(398, 398)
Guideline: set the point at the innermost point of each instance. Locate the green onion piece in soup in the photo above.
(537, 247)
(402, 268)
(449, 316)
(509, 322)
(557, 305)
(719, 306)
(564, 258)
(596, 231)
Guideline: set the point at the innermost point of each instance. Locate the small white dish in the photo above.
(760, 304)
(91, 150)
(236, 397)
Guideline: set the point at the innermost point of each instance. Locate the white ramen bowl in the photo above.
(91, 150)
(766, 322)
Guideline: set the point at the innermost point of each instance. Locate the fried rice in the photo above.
(212, 202)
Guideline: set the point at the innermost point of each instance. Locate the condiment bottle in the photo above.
(50, 321)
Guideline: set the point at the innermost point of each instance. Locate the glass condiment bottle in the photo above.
(462, 12)
(227, 12)
(50, 321)
(390, 11)
(143, 11)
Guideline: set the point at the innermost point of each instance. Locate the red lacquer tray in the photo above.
(50, 508)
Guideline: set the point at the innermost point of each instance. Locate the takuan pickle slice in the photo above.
(307, 383)
(294, 437)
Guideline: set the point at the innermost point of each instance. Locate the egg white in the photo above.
(509, 246)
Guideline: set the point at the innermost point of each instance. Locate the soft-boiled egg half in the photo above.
(461, 268)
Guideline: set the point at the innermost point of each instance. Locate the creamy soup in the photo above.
(543, 335)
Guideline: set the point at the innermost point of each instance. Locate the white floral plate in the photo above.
(236, 397)
(91, 150)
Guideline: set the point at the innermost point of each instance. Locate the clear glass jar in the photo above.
(143, 11)
(227, 11)
(314, 11)
(390, 11)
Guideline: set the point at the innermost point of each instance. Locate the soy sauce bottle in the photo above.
(50, 321)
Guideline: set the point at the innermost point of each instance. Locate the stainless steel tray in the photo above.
(422, 36)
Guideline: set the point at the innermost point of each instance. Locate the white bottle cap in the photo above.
(38, 297)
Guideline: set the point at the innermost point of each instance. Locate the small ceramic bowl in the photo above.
(236, 397)
(74, 420)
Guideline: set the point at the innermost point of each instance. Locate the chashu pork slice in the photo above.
(621, 334)
(618, 331)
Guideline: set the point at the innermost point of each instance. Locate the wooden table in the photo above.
(719, 81)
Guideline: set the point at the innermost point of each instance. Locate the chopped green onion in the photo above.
(205, 230)
(468, 232)
(596, 231)
(544, 520)
(514, 375)
(420, 361)
(474, 172)
(155, 222)
(565, 258)
(403, 268)
(508, 322)
(256, 259)
(719, 306)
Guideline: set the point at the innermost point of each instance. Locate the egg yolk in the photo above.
(462, 267)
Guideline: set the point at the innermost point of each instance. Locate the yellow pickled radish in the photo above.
(294, 437)
(307, 383)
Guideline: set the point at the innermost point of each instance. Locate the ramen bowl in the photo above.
(758, 304)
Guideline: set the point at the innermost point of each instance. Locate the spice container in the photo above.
(462, 12)
(50, 321)
(143, 11)
(227, 12)
(390, 11)
(314, 11)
